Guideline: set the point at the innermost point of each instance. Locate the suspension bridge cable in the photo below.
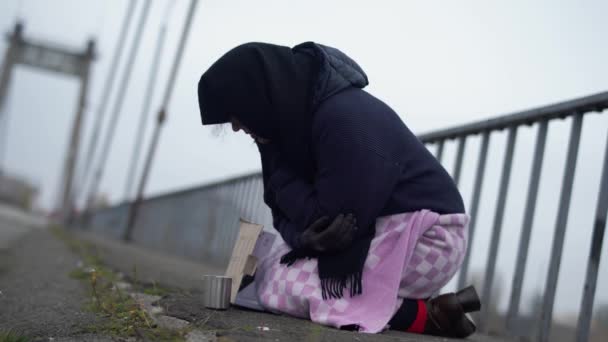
(98, 175)
(105, 97)
(141, 128)
(133, 208)
(95, 32)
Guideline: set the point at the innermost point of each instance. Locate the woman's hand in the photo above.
(325, 237)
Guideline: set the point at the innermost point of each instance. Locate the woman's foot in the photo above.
(446, 314)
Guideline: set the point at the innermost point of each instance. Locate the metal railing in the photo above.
(200, 215)
(540, 117)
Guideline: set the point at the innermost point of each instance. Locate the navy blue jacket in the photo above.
(366, 161)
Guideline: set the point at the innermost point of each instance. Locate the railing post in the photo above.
(498, 220)
(238, 196)
(224, 199)
(259, 200)
(440, 146)
(524, 240)
(479, 176)
(462, 141)
(233, 202)
(248, 200)
(560, 229)
(593, 264)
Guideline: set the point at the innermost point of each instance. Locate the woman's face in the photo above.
(237, 126)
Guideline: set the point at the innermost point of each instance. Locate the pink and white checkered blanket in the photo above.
(413, 255)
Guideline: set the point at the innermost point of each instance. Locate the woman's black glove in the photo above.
(324, 237)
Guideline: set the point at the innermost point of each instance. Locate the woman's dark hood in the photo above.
(274, 90)
(269, 81)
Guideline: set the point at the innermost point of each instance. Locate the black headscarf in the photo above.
(274, 91)
(269, 89)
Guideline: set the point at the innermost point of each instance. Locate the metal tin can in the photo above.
(217, 292)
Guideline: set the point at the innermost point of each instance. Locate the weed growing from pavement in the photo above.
(152, 289)
(125, 316)
(155, 290)
(10, 336)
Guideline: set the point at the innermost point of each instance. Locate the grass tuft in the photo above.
(124, 316)
(155, 290)
(10, 336)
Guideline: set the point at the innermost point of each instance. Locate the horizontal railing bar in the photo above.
(592, 103)
(208, 186)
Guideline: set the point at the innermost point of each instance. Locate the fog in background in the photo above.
(437, 63)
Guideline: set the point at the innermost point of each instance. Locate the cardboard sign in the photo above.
(242, 261)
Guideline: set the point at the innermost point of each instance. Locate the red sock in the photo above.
(420, 321)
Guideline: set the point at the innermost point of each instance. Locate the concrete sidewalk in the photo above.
(234, 324)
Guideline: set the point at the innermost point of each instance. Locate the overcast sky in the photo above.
(437, 63)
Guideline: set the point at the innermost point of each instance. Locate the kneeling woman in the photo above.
(372, 223)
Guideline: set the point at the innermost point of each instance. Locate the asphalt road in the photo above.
(14, 224)
(38, 299)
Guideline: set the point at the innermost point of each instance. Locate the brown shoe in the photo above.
(446, 314)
